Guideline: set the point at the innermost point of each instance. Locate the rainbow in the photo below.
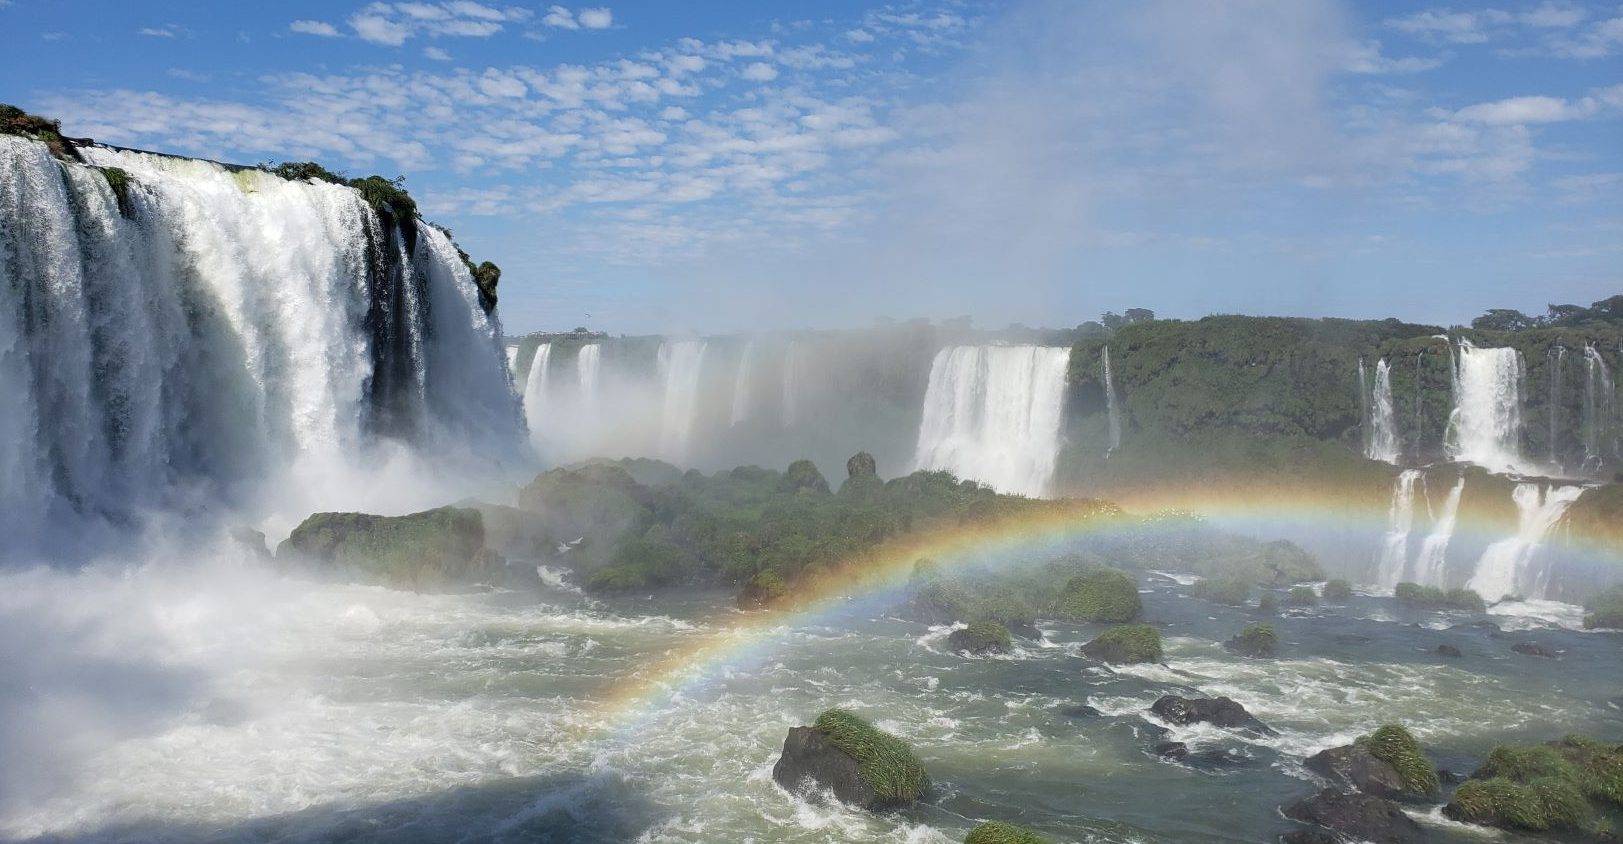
(879, 575)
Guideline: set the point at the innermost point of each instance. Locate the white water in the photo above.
(1598, 395)
(679, 365)
(1112, 404)
(993, 413)
(741, 385)
(535, 392)
(791, 397)
(1506, 567)
(1431, 564)
(1485, 427)
(226, 331)
(1383, 420)
(1399, 523)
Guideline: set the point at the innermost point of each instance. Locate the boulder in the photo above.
(423, 551)
(1125, 645)
(1362, 817)
(1101, 595)
(1257, 640)
(1449, 651)
(1171, 750)
(1218, 711)
(862, 765)
(1535, 649)
(861, 465)
(1311, 836)
(981, 637)
(802, 476)
(1353, 766)
(1080, 710)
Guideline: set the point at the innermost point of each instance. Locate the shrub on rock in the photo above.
(1398, 748)
(1101, 595)
(1256, 640)
(863, 765)
(1125, 645)
(1434, 598)
(998, 832)
(763, 590)
(981, 637)
(1233, 591)
(1548, 787)
(1605, 609)
(1302, 596)
(1338, 591)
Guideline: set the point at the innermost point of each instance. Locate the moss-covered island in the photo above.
(1561, 786)
(1125, 645)
(998, 832)
(428, 550)
(1107, 595)
(860, 763)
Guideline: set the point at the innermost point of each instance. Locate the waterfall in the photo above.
(1558, 359)
(1485, 427)
(1363, 405)
(588, 363)
(1505, 567)
(512, 359)
(1598, 393)
(679, 367)
(1112, 404)
(791, 397)
(993, 413)
(218, 326)
(1383, 419)
(535, 391)
(1399, 522)
(741, 384)
(1432, 562)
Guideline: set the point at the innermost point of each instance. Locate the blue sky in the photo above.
(732, 166)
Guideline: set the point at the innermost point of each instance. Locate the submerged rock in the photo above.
(1171, 750)
(1363, 817)
(1125, 645)
(861, 764)
(1535, 649)
(1218, 711)
(1081, 710)
(1449, 651)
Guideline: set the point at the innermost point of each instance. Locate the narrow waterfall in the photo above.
(741, 384)
(176, 346)
(535, 392)
(1399, 522)
(679, 365)
(1505, 568)
(588, 366)
(791, 387)
(1431, 564)
(1485, 427)
(993, 414)
(1383, 419)
(1598, 396)
(1363, 405)
(1558, 359)
(1112, 403)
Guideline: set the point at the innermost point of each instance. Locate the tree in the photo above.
(1504, 319)
(1112, 320)
(1140, 314)
(1566, 315)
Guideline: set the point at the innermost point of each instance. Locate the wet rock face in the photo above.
(1353, 766)
(808, 756)
(1363, 817)
(1219, 711)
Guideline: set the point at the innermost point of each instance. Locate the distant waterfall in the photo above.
(1112, 404)
(993, 413)
(679, 366)
(218, 326)
(512, 359)
(1485, 427)
(1505, 567)
(1598, 398)
(1399, 523)
(1431, 563)
(535, 391)
(791, 386)
(588, 372)
(741, 384)
(1383, 418)
(1558, 359)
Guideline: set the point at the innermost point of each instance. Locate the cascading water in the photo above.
(679, 364)
(535, 392)
(214, 325)
(1598, 398)
(1505, 568)
(993, 414)
(1485, 427)
(588, 372)
(1431, 563)
(1558, 359)
(741, 384)
(1383, 420)
(1112, 404)
(1399, 522)
(791, 387)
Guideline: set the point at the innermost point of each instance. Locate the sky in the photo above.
(725, 166)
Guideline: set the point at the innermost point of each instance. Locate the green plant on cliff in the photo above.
(15, 121)
(1104, 595)
(1397, 747)
(387, 196)
(886, 763)
(998, 832)
(118, 181)
(1126, 644)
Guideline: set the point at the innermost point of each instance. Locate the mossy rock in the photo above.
(981, 637)
(427, 550)
(802, 476)
(861, 465)
(888, 765)
(1540, 805)
(1126, 644)
(1397, 747)
(1268, 604)
(998, 832)
(1432, 597)
(1605, 609)
(15, 121)
(1551, 786)
(118, 180)
(1338, 591)
(1233, 591)
(1301, 596)
(1104, 595)
(1256, 640)
(387, 196)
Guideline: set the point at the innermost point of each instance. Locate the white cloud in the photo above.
(391, 24)
(859, 36)
(436, 54)
(759, 72)
(1599, 40)
(168, 30)
(379, 30)
(1520, 110)
(598, 18)
(308, 27)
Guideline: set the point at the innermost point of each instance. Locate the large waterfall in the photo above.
(741, 385)
(679, 366)
(1485, 427)
(993, 413)
(1383, 418)
(1506, 567)
(174, 346)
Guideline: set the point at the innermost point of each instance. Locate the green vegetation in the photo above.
(1257, 640)
(1267, 603)
(1338, 591)
(885, 762)
(1558, 786)
(1126, 644)
(998, 832)
(15, 121)
(1433, 597)
(1397, 747)
(1301, 596)
(1104, 595)
(981, 637)
(765, 589)
(802, 475)
(1228, 590)
(426, 550)
(119, 181)
(387, 196)
(1605, 609)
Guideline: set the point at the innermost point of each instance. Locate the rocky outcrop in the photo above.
(421, 551)
(1362, 817)
(1102, 595)
(1257, 641)
(981, 638)
(861, 765)
(1219, 712)
(1125, 645)
(802, 476)
(1386, 763)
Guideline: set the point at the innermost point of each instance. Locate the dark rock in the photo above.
(1449, 651)
(1171, 750)
(1081, 710)
(1219, 711)
(809, 755)
(1362, 816)
(1352, 639)
(861, 465)
(1353, 766)
(1535, 649)
(250, 542)
(1155, 731)
(1448, 777)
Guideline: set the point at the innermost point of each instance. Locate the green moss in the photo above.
(1126, 644)
(119, 181)
(1525, 762)
(1301, 596)
(763, 590)
(1233, 591)
(1103, 595)
(1431, 597)
(422, 550)
(886, 763)
(986, 636)
(1397, 747)
(1338, 591)
(1255, 640)
(998, 832)
(299, 171)
(387, 196)
(1605, 609)
(1543, 787)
